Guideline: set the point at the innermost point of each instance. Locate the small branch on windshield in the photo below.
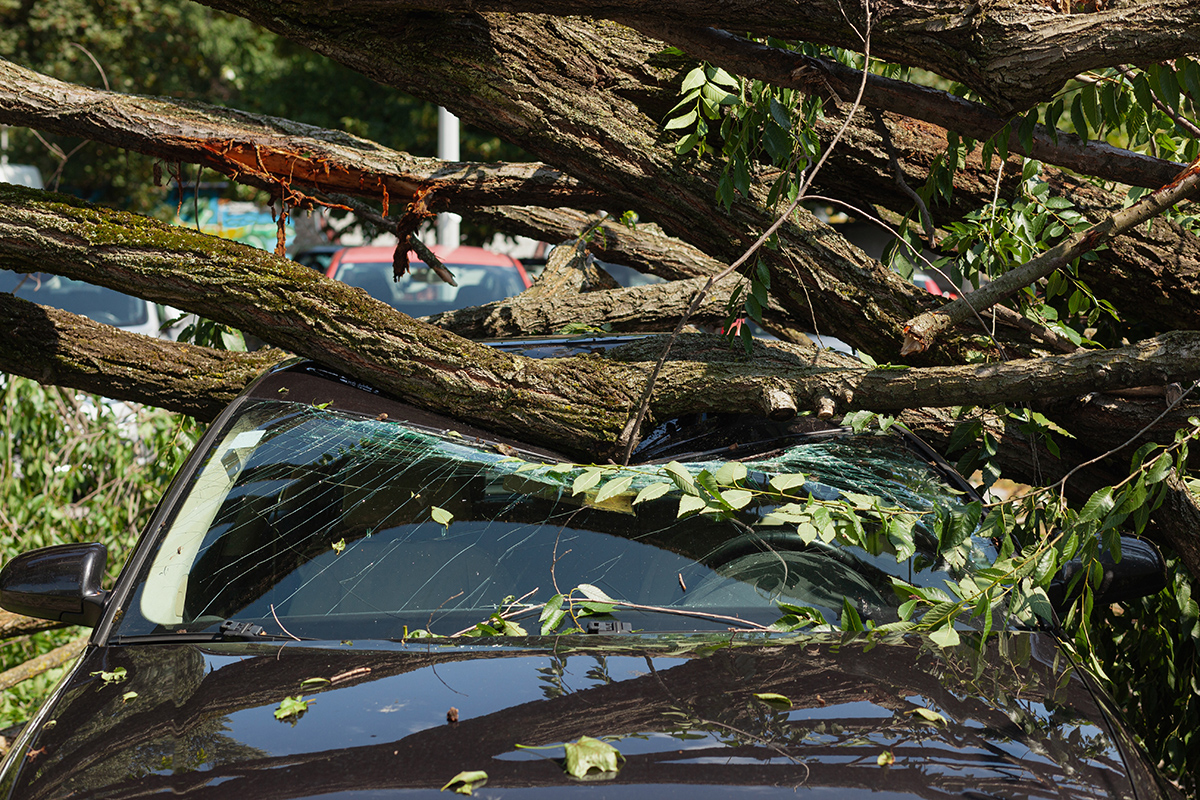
(280, 624)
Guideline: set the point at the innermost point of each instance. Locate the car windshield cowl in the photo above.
(333, 525)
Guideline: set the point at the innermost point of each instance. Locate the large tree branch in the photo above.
(581, 400)
(271, 153)
(1012, 53)
(58, 347)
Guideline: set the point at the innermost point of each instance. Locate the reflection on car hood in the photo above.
(685, 712)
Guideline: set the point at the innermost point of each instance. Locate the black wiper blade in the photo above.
(233, 631)
(230, 630)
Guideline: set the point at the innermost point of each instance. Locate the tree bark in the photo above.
(271, 153)
(57, 347)
(583, 400)
(1013, 53)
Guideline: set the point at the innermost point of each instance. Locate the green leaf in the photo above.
(291, 707)
(693, 80)
(885, 759)
(736, 498)
(586, 480)
(613, 488)
(774, 700)
(125, 698)
(1025, 131)
(1091, 106)
(682, 121)
(945, 637)
(652, 492)
(1168, 86)
(1098, 505)
(781, 483)
(441, 516)
(690, 503)
(593, 593)
(730, 473)
(467, 781)
(723, 78)
(1159, 469)
(682, 478)
(1078, 118)
(590, 754)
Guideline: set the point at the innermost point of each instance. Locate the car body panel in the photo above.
(691, 714)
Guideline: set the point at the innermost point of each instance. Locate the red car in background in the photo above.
(482, 277)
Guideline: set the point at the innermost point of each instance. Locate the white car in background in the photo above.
(94, 302)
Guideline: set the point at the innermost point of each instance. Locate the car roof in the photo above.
(448, 255)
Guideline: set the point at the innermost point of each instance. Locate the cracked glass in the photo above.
(318, 523)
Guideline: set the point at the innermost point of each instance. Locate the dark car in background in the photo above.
(342, 595)
(482, 277)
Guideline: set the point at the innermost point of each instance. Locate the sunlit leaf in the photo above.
(774, 700)
(782, 483)
(440, 515)
(652, 492)
(467, 781)
(586, 480)
(593, 593)
(929, 716)
(690, 503)
(613, 488)
(590, 754)
(945, 637)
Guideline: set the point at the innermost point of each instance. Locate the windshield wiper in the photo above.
(230, 630)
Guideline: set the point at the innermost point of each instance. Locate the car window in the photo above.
(94, 302)
(337, 526)
(421, 292)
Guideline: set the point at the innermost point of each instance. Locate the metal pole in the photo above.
(447, 224)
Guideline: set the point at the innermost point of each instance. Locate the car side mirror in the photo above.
(60, 583)
(1140, 572)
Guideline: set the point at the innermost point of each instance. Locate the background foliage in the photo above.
(76, 468)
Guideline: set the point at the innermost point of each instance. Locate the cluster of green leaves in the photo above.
(749, 126)
(72, 471)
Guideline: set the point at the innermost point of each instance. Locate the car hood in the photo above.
(694, 716)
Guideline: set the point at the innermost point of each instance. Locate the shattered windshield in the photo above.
(331, 525)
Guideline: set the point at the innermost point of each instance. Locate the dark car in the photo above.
(343, 596)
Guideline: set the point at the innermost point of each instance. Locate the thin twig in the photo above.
(280, 624)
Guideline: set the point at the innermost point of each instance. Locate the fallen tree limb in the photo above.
(14, 625)
(585, 401)
(56, 347)
(271, 153)
(43, 663)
